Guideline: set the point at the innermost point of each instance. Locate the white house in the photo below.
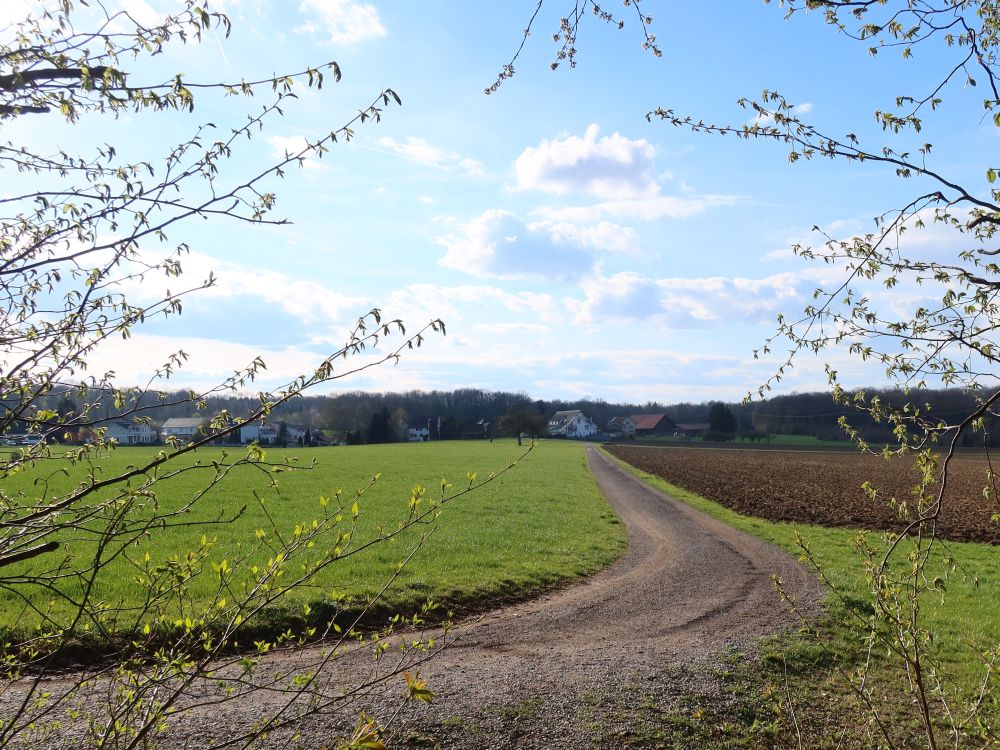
(572, 424)
(418, 434)
(255, 432)
(129, 432)
(621, 426)
(184, 429)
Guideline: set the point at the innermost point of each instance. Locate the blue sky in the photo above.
(573, 248)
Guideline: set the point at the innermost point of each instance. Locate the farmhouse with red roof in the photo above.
(653, 424)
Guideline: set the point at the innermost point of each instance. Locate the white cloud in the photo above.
(512, 328)
(12, 11)
(306, 300)
(612, 166)
(283, 146)
(142, 12)
(688, 302)
(644, 209)
(419, 150)
(623, 296)
(601, 236)
(209, 361)
(498, 244)
(341, 21)
(618, 171)
(422, 302)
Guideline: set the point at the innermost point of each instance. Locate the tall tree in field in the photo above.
(721, 419)
(379, 427)
(523, 421)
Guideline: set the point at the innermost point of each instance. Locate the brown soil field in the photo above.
(824, 488)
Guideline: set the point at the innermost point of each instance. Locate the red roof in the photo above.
(647, 421)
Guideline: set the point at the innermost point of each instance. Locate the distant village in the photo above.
(356, 418)
(572, 424)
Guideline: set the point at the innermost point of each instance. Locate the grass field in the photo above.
(541, 523)
(964, 618)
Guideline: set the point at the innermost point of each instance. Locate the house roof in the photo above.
(648, 421)
(615, 421)
(182, 422)
(123, 423)
(565, 416)
(693, 426)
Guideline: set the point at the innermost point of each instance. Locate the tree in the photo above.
(951, 341)
(927, 312)
(522, 421)
(721, 419)
(76, 228)
(379, 429)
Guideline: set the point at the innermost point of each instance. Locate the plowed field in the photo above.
(822, 488)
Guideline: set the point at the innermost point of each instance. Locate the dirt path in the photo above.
(651, 627)
(687, 583)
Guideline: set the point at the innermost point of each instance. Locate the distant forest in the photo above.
(463, 412)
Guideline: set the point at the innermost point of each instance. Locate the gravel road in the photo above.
(557, 670)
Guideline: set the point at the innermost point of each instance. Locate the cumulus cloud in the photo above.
(601, 236)
(283, 146)
(209, 361)
(212, 360)
(612, 166)
(341, 21)
(498, 244)
(419, 302)
(616, 170)
(421, 151)
(622, 296)
(306, 300)
(687, 302)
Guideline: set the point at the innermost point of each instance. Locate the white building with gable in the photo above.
(572, 424)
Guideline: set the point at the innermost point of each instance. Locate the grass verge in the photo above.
(813, 667)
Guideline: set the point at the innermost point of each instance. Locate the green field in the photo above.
(537, 525)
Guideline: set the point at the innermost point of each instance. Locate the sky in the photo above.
(573, 248)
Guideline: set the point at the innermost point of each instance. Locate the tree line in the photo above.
(362, 417)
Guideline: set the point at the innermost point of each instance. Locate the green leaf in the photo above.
(417, 689)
